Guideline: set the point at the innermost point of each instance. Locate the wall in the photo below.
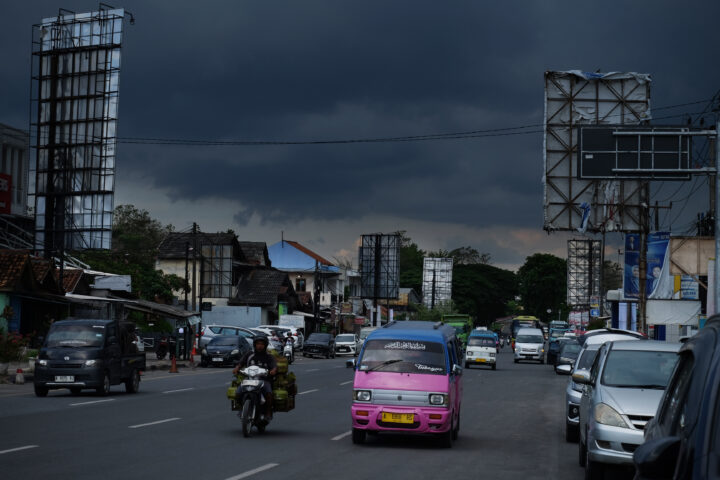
(235, 316)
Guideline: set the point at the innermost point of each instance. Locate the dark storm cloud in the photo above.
(343, 69)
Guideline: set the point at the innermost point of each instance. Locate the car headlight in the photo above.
(363, 395)
(438, 399)
(235, 352)
(541, 350)
(607, 415)
(469, 352)
(91, 363)
(42, 362)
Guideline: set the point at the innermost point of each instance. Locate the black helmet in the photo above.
(260, 339)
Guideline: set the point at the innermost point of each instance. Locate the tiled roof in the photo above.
(261, 286)
(309, 252)
(174, 245)
(71, 277)
(41, 268)
(255, 253)
(12, 265)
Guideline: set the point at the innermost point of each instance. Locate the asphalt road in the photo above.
(180, 426)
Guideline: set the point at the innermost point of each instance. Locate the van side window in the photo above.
(596, 364)
(452, 353)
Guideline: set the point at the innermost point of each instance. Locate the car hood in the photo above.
(221, 348)
(317, 342)
(632, 401)
(345, 343)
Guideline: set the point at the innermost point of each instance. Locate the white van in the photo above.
(530, 345)
(481, 350)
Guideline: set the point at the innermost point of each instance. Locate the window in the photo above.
(672, 413)
(300, 285)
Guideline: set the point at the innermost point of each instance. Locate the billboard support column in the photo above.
(716, 290)
(642, 264)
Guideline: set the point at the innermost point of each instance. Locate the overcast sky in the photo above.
(331, 70)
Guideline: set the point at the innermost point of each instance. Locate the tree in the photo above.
(543, 284)
(469, 256)
(136, 237)
(411, 266)
(483, 291)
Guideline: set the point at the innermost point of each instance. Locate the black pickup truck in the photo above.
(88, 354)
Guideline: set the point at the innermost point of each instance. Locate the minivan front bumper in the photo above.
(369, 417)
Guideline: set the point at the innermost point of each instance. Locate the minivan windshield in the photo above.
(345, 338)
(529, 339)
(638, 369)
(76, 336)
(481, 342)
(403, 356)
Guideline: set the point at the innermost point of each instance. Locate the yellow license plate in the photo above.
(480, 360)
(398, 417)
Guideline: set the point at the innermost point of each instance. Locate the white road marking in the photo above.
(90, 403)
(313, 370)
(308, 391)
(180, 390)
(154, 423)
(18, 449)
(342, 435)
(345, 383)
(249, 473)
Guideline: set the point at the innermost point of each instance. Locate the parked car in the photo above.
(573, 390)
(209, 331)
(683, 439)
(530, 345)
(554, 348)
(274, 342)
(224, 350)
(319, 344)
(622, 392)
(347, 344)
(568, 354)
(281, 331)
(364, 332)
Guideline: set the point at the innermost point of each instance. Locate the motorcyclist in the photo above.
(260, 357)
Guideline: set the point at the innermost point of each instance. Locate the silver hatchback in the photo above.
(620, 394)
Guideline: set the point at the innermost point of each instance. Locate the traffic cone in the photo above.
(19, 377)
(173, 365)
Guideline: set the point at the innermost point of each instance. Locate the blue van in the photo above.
(408, 378)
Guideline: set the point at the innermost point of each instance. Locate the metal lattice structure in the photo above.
(583, 272)
(578, 98)
(437, 281)
(75, 75)
(380, 266)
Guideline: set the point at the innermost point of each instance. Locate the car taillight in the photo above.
(295, 334)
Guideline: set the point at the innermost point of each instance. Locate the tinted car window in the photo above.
(405, 356)
(672, 413)
(530, 339)
(224, 341)
(229, 331)
(587, 359)
(481, 342)
(570, 349)
(215, 330)
(637, 369)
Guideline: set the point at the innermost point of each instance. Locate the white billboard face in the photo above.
(76, 68)
(578, 98)
(437, 281)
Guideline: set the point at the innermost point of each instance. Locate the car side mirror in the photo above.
(582, 377)
(563, 369)
(457, 369)
(350, 363)
(656, 458)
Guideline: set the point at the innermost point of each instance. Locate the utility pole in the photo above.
(187, 258)
(194, 284)
(644, 231)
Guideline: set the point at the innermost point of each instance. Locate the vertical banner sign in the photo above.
(5, 193)
(659, 283)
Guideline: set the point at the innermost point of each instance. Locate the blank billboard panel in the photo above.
(75, 73)
(437, 281)
(380, 266)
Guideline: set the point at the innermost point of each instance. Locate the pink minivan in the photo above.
(408, 379)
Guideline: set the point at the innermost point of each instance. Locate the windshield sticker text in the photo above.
(405, 346)
(420, 366)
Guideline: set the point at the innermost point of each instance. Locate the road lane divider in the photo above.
(254, 471)
(341, 436)
(179, 390)
(10, 450)
(308, 391)
(90, 403)
(154, 423)
(313, 370)
(345, 383)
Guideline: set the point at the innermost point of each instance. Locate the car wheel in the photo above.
(571, 433)
(132, 384)
(104, 389)
(41, 391)
(494, 367)
(446, 438)
(593, 470)
(358, 436)
(516, 360)
(456, 430)
(467, 365)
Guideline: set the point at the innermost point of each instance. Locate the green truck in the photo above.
(462, 323)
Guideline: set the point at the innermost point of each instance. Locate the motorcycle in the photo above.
(289, 351)
(165, 345)
(249, 395)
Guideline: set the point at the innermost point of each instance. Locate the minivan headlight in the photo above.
(91, 363)
(42, 362)
(438, 399)
(607, 415)
(363, 395)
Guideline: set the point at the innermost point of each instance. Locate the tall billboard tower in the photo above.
(437, 281)
(75, 79)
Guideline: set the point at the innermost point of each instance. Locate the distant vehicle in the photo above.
(682, 440)
(348, 344)
(94, 354)
(462, 324)
(622, 392)
(281, 331)
(558, 327)
(530, 345)
(321, 344)
(481, 349)
(209, 331)
(554, 347)
(568, 353)
(223, 351)
(364, 332)
(523, 321)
